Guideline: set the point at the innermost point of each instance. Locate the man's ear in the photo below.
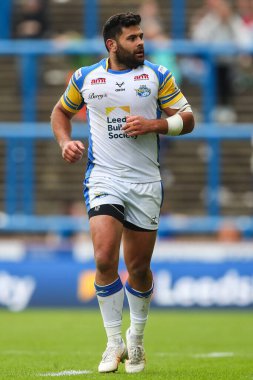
(111, 45)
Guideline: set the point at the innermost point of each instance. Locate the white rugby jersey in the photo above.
(110, 96)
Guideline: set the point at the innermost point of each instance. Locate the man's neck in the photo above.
(116, 66)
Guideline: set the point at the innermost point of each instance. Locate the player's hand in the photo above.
(137, 125)
(72, 151)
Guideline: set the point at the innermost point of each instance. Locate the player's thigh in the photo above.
(106, 233)
(106, 214)
(138, 248)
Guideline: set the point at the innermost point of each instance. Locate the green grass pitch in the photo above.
(180, 345)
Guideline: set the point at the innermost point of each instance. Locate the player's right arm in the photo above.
(69, 104)
(72, 150)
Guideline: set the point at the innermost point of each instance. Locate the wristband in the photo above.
(175, 125)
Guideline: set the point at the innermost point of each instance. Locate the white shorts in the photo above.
(141, 201)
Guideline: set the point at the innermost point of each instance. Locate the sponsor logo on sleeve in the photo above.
(162, 69)
(78, 74)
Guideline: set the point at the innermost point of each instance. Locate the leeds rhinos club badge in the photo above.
(143, 91)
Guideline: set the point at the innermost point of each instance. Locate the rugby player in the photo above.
(124, 95)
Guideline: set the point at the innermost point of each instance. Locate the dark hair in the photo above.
(113, 26)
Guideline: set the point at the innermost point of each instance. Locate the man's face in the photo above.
(130, 47)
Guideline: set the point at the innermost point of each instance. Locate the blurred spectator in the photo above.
(245, 77)
(150, 14)
(245, 10)
(229, 233)
(218, 23)
(153, 31)
(32, 22)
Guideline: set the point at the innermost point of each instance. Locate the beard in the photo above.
(128, 59)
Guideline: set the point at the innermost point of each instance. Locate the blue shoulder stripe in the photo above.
(160, 73)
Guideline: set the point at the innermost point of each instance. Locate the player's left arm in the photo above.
(180, 118)
(179, 122)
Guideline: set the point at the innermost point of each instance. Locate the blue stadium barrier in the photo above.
(169, 225)
(42, 130)
(210, 223)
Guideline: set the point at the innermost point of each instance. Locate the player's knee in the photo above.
(104, 262)
(139, 272)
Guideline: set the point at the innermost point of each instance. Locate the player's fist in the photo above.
(72, 151)
(137, 125)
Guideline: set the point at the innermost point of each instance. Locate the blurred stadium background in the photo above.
(204, 252)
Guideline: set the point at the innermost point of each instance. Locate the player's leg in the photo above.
(106, 232)
(139, 235)
(138, 249)
(106, 215)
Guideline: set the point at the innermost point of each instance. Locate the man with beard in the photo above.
(124, 95)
